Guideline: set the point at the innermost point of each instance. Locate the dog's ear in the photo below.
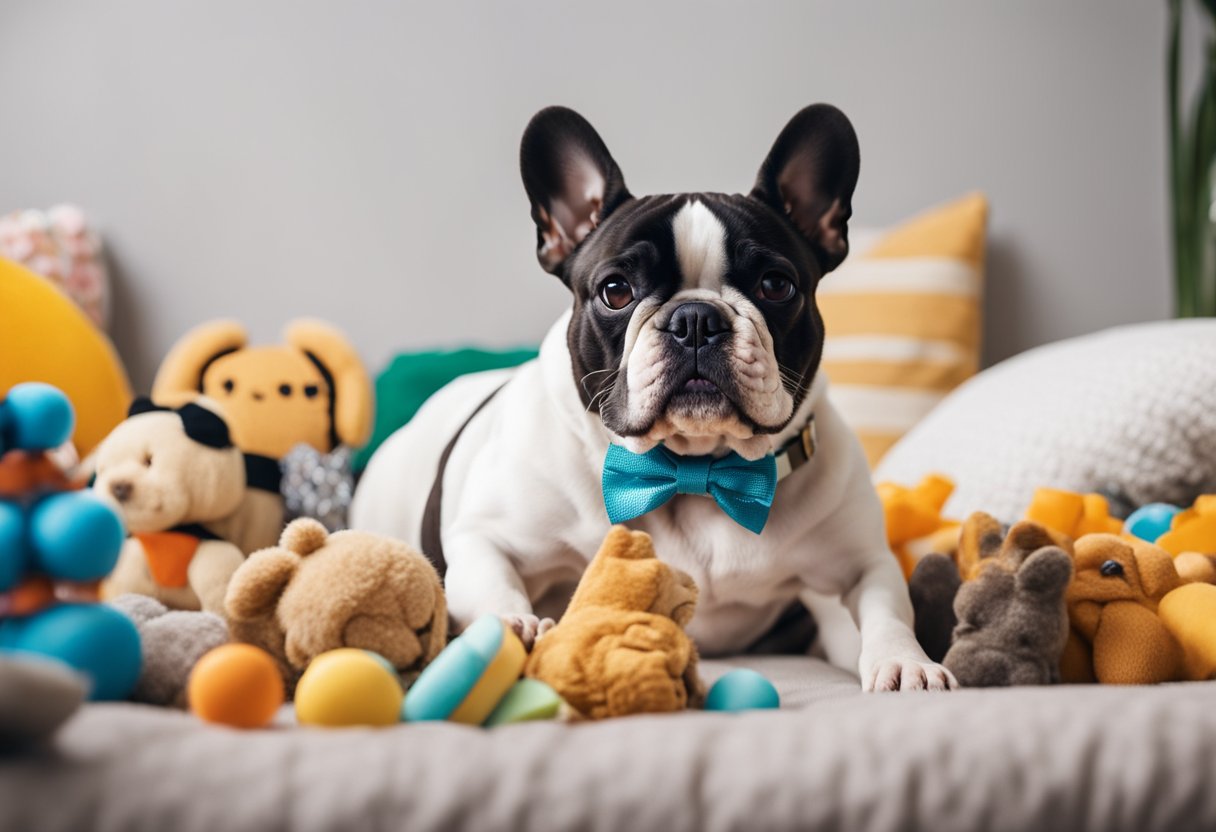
(350, 388)
(183, 368)
(572, 182)
(204, 426)
(810, 175)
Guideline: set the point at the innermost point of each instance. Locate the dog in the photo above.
(694, 331)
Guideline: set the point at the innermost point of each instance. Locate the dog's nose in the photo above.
(696, 324)
(121, 489)
(258, 395)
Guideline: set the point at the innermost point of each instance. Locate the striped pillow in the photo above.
(903, 318)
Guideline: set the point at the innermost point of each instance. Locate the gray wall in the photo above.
(357, 160)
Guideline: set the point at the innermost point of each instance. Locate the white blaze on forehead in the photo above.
(700, 246)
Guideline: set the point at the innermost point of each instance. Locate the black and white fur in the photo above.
(693, 324)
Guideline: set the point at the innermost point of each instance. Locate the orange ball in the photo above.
(236, 685)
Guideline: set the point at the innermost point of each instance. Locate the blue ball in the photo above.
(76, 536)
(96, 639)
(39, 417)
(1151, 521)
(742, 690)
(14, 551)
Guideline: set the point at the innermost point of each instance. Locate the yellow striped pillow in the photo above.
(903, 316)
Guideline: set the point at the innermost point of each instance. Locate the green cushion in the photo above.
(412, 377)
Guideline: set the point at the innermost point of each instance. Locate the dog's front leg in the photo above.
(482, 580)
(891, 658)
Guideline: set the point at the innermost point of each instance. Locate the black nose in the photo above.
(696, 324)
(121, 490)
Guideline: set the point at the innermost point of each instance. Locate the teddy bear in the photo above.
(1012, 620)
(173, 475)
(312, 390)
(317, 591)
(620, 648)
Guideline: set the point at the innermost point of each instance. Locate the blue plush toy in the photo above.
(55, 545)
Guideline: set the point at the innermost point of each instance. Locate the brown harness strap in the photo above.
(432, 539)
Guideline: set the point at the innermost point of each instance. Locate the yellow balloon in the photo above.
(45, 337)
(348, 687)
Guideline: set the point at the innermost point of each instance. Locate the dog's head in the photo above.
(694, 319)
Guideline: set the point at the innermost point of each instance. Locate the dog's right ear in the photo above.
(572, 182)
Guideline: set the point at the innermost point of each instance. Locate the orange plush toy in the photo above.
(1117, 636)
(915, 526)
(621, 648)
(1072, 514)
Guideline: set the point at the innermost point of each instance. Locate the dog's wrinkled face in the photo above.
(694, 320)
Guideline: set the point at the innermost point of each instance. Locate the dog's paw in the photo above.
(905, 674)
(528, 627)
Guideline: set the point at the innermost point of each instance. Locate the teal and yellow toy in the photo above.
(56, 544)
(470, 677)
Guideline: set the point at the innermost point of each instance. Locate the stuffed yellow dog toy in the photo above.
(310, 390)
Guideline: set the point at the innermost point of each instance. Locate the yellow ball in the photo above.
(237, 685)
(348, 687)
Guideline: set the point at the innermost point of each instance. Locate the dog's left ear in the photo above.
(810, 175)
(572, 182)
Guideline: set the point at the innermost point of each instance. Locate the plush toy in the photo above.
(173, 642)
(1012, 620)
(1192, 530)
(1071, 514)
(317, 592)
(174, 475)
(55, 546)
(313, 389)
(1135, 619)
(621, 648)
(915, 525)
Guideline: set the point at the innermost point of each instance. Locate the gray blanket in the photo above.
(1068, 758)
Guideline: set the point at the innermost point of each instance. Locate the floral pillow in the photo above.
(59, 245)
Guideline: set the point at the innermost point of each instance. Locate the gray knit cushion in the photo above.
(1130, 410)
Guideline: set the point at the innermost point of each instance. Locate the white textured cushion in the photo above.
(1131, 410)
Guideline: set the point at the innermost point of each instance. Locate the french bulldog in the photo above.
(694, 329)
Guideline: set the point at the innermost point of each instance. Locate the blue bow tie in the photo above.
(637, 483)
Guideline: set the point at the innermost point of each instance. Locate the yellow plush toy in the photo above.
(621, 648)
(44, 336)
(915, 526)
(311, 390)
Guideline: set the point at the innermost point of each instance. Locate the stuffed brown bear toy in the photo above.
(620, 647)
(317, 592)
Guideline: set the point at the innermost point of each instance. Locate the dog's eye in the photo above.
(229, 385)
(616, 293)
(311, 390)
(775, 288)
(1111, 568)
(284, 390)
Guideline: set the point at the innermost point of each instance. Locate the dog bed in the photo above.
(1067, 758)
